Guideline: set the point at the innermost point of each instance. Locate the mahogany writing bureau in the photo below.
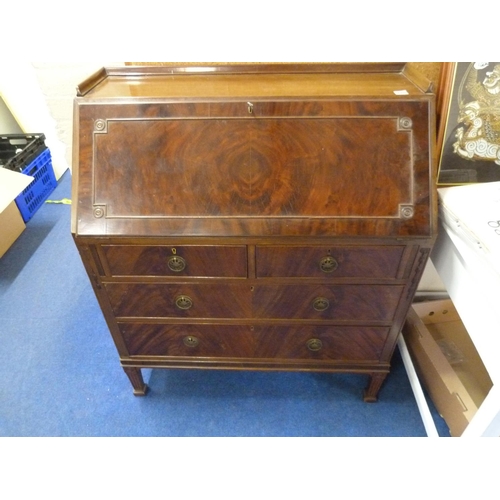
(263, 217)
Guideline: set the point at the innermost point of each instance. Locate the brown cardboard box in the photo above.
(446, 361)
(11, 221)
(11, 226)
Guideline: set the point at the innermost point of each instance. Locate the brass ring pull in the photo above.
(176, 263)
(184, 302)
(190, 341)
(321, 304)
(328, 264)
(314, 345)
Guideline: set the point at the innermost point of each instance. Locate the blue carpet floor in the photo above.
(60, 374)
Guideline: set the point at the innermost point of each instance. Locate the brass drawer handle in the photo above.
(321, 304)
(184, 302)
(314, 345)
(190, 341)
(176, 263)
(328, 264)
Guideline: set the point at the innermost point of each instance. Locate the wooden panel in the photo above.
(159, 300)
(430, 70)
(336, 343)
(200, 261)
(235, 174)
(251, 168)
(168, 340)
(347, 79)
(361, 262)
(346, 302)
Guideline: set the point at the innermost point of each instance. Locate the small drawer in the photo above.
(177, 300)
(176, 261)
(342, 344)
(324, 262)
(328, 302)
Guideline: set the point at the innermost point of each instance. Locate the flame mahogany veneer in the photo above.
(268, 217)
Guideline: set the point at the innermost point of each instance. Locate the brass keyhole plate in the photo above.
(190, 341)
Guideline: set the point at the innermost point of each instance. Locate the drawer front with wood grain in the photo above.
(342, 303)
(336, 343)
(332, 262)
(180, 300)
(190, 340)
(176, 261)
(262, 342)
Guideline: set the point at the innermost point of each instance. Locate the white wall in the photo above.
(40, 97)
(58, 82)
(431, 282)
(8, 124)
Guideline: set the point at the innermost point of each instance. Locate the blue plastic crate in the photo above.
(17, 150)
(32, 198)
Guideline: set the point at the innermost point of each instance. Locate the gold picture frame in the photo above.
(468, 121)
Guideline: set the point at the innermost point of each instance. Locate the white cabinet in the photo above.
(467, 259)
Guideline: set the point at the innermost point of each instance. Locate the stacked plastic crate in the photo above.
(28, 154)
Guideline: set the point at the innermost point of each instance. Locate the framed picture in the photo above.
(469, 123)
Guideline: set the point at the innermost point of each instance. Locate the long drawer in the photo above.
(215, 300)
(240, 341)
(177, 261)
(325, 262)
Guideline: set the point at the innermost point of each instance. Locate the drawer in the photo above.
(342, 302)
(263, 342)
(189, 340)
(324, 261)
(323, 343)
(325, 302)
(190, 261)
(180, 300)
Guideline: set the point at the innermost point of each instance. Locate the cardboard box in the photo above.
(11, 227)
(11, 221)
(447, 362)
